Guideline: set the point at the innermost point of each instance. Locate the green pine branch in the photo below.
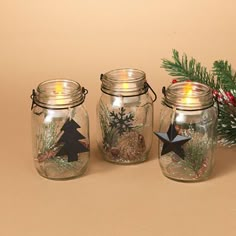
(226, 128)
(184, 69)
(225, 76)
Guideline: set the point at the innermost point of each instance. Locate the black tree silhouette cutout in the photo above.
(70, 139)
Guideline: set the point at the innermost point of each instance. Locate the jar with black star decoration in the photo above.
(125, 116)
(187, 132)
(60, 129)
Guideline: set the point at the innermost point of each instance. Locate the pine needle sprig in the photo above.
(227, 125)
(185, 69)
(226, 79)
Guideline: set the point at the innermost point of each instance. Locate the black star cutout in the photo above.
(172, 141)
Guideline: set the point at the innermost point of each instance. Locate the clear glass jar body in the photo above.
(60, 130)
(125, 118)
(192, 158)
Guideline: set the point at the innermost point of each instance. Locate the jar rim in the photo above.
(114, 74)
(124, 82)
(57, 80)
(59, 94)
(188, 95)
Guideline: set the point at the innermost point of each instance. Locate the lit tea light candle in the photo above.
(188, 91)
(58, 100)
(119, 101)
(125, 85)
(59, 94)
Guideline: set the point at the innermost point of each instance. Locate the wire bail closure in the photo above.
(84, 91)
(33, 96)
(147, 85)
(163, 91)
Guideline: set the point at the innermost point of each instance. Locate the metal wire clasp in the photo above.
(84, 91)
(146, 85)
(32, 96)
(164, 91)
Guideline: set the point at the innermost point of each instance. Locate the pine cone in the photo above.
(130, 146)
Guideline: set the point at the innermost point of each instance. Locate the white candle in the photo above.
(120, 100)
(58, 100)
(58, 92)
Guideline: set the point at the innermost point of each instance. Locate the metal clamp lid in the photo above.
(70, 94)
(125, 83)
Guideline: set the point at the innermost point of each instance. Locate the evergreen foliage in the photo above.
(221, 79)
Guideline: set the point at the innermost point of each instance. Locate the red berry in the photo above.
(215, 93)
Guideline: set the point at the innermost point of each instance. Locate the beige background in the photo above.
(79, 40)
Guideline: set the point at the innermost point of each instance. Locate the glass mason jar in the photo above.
(60, 129)
(125, 116)
(187, 133)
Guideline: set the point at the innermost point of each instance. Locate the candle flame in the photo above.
(188, 90)
(58, 88)
(59, 94)
(125, 85)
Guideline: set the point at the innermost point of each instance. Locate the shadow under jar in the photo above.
(60, 129)
(125, 116)
(187, 133)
